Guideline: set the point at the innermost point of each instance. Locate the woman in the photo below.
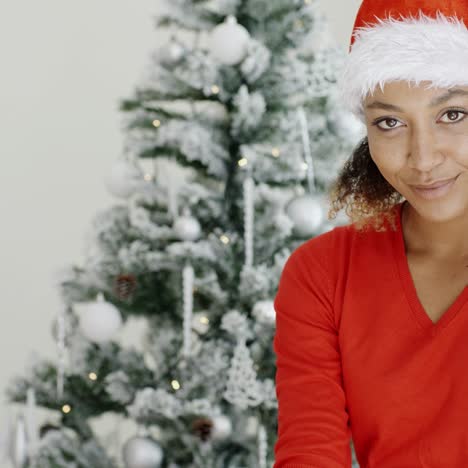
(372, 317)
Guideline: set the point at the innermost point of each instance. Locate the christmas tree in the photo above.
(232, 139)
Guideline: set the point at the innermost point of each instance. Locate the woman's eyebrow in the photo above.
(383, 105)
(448, 95)
(435, 102)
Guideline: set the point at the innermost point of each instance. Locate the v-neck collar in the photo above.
(410, 288)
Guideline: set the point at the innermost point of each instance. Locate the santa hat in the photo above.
(413, 40)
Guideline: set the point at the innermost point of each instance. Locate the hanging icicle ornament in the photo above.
(186, 227)
(249, 205)
(124, 177)
(172, 199)
(251, 426)
(6, 435)
(19, 444)
(306, 211)
(262, 447)
(229, 41)
(61, 351)
(32, 430)
(187, 288)
(99, 320)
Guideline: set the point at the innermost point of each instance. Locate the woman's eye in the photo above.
(391, 124)
(453, 116)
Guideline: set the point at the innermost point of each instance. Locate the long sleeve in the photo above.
(313, 427)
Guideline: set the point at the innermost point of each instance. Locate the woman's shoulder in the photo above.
(325, 244)
(317, 256)
(333, 248)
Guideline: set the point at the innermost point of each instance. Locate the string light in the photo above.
(224, 239)
(307, 2)
(215, 89)
(148, 177)
(242, 162)
(204, 320)
(92, 376)
(304, 166)
(66, 409)
(156, 123)
(175, 385)
(275, 152)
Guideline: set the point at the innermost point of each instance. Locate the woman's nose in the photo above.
(423, 152)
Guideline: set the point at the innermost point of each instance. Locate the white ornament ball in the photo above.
(306, 213)
(222, 427)
(123, 179)
(229, 42)
(99, 320)
(174, 52)
(142, 452)
(347, 126)
(264, 312)
(187, 227)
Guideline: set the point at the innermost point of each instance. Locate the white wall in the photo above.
(64, 67)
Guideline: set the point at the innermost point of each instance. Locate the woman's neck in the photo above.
(441, 241)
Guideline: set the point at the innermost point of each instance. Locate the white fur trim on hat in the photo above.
(412, 49)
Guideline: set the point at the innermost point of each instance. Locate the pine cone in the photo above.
(125, 286)
(202, 427)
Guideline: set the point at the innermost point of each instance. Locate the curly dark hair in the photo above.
(366, 195)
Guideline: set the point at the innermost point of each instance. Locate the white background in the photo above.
(64, 67)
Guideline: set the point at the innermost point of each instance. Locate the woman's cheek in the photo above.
(384, 150)
(455, 144)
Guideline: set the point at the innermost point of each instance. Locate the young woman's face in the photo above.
(419, 136)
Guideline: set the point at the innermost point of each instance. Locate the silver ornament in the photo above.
(123, 178)
(176, 51)
(222, 427)
(187, 227)
(142, 452)
(306, 213)
(99, 320)
(347, 126)
(264, 311)
(229, 41)
(173, 52)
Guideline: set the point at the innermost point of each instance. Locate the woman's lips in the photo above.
(436, 192)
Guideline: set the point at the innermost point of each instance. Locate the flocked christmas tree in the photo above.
(238, 116)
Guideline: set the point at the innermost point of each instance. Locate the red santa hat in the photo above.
(412, 40)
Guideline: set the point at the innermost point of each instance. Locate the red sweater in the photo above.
(357, 356)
